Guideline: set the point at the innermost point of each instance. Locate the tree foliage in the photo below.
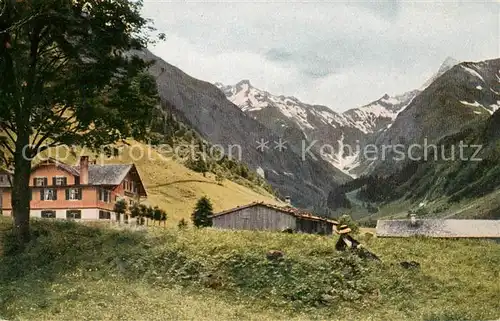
(202, 212)
(69, 76)
(347, 220)
(159, 215)
(120, 208)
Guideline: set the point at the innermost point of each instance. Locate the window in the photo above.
(73, 214)
(104, 215)
(48, 194)
(3, 179)
(59, 181)
(48, 214)
(105, 196)
(73, 194)
(40, 181)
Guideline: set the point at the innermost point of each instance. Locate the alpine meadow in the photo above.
(261, 160)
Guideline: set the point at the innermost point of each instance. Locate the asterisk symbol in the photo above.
(280, 145)
(262, 145)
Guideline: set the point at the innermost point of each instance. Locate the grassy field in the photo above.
(175, 188)
(72, 271)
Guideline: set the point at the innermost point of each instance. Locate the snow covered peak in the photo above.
(447, 64)
(251, 99)
(365, 119)
(244, 82)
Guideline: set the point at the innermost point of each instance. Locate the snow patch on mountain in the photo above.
(474, 104)
(492, 108)
(495, 107)
(367, 118)
(472, 72)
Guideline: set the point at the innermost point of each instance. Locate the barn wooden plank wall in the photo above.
(262, 217)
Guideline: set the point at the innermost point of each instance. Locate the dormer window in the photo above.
(59, 181)
(40, 181)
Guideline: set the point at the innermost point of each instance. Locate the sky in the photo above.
(338, 54)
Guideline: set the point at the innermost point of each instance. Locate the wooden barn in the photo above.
(262, 216)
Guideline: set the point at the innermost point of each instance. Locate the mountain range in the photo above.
(204, 108)
(300, 148)
(381, 122)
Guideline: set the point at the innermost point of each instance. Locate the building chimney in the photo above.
(413, 219)
(84, 170)
(288, 200)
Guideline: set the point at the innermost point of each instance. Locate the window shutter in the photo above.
(77, 180)
(65, 181)
(41, 195)
(54, 181)
(67, 194)
(34, 181)
(79, 194)
(55, 195)
(45, 181)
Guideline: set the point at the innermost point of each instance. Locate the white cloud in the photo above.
(334, 54)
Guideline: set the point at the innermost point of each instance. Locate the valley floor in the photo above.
(73, 271)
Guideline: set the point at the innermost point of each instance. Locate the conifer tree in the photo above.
(201, 216)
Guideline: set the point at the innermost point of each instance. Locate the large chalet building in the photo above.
(87, 191)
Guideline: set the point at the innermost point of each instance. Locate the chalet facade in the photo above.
(86, 192)
(267, 217)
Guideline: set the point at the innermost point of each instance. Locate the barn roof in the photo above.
(439, 228)
(285, 209)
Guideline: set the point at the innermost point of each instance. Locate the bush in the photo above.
(182, 225)
(347, 220)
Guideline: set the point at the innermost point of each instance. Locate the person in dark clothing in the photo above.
(347, 242)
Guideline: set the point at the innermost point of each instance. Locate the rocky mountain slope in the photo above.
(466, 93)
(205, 109)
(453, 126)
(340, 134)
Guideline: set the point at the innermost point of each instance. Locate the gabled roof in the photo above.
(104, 175)
(109, 174)
(68, 168)
(439, 228)
(285, 209)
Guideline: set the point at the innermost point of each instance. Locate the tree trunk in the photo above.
(21, 191)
